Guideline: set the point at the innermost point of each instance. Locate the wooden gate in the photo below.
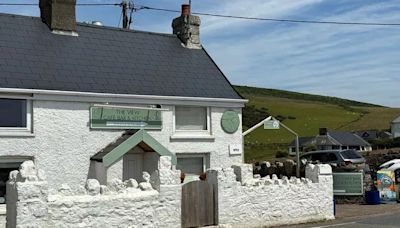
(198, 204)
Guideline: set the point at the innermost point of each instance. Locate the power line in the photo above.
(136, 8)
(277, 20)
(78, 4)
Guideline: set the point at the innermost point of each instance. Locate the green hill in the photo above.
(305, 114)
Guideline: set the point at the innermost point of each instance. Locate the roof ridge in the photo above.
(83, 24)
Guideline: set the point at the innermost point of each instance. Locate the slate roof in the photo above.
(348, 138)
(341, 138)
(302, 141)
(105, 60)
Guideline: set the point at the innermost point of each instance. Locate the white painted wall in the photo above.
(255, 202)
(63, 143)
(30, 205)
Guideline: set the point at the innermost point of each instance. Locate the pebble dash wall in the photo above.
(245, 201)
(156, 202)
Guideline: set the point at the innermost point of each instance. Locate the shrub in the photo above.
(281, 154)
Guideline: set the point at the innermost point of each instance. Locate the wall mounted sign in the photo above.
(124, 118)
(235, 149)
(350, 184)
(271, 125)
(230, 122)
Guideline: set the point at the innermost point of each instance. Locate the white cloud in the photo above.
(347, 61)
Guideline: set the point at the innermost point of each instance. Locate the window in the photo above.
(350, 154)
(12, 113)
(15, 115)
(192, 165)
(191, 118)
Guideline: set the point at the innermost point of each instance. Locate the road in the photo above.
(372, 221)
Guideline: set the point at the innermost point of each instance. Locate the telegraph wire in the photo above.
(78, 4)
(276, 20)
(137, 8)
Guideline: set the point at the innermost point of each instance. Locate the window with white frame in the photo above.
(191, 118)
(192, 165)
(15, 115)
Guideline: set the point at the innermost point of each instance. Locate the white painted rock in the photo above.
(131, 183)
(93, 187)
(165, 162)
(28, 171)
(116, 185)
(145, 186)
(104, 190)
(146, 177)
(13, 176)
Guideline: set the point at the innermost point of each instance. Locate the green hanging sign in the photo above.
(124, 118)
(271, 125)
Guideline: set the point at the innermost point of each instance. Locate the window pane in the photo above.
(12, 113)
(350, 154)
(191, 118)
(191, 165)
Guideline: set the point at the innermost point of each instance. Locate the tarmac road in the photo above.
(373, 221)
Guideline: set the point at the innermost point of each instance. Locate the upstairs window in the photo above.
(15, 116)
(189, 118)
(13, 113)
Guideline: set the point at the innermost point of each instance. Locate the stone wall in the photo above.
(156, 202)
(247, 201)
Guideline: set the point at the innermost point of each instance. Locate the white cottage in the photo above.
(87, 105)
(85, 101)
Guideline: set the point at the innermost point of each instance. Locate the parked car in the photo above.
(333, 157)
(389, 163)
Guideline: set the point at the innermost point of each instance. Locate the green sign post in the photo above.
(350, 184)
(124, 118)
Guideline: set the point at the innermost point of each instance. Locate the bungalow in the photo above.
(331, 140)
(86, 101)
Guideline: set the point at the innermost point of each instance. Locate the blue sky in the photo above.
(354, 62)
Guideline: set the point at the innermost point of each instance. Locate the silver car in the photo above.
(333, 157)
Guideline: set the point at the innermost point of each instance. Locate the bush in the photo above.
(253, 115)
(281, 154)
(385, 143)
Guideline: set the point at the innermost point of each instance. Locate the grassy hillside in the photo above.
(305, 114)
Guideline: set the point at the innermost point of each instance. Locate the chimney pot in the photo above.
(187, 28)
(185, 10)
(323, 131)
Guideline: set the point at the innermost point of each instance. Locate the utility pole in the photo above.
(125, 20)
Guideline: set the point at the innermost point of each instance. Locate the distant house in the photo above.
(395, 127)
(331, 140)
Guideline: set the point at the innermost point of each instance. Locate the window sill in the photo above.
(192, 136)
(16, 134)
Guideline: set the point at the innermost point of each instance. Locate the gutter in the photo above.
(91, 96)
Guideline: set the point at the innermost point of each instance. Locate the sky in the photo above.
(354, 62)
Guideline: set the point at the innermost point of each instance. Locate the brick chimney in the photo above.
(323, 131)
(59, 16)
(187, 28)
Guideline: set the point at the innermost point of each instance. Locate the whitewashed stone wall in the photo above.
(128, 204)
(63, 143)
(244, 201)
